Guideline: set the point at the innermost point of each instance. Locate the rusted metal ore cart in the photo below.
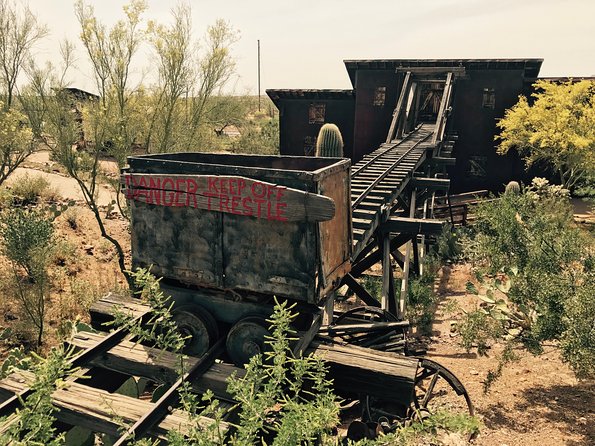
(229, 232)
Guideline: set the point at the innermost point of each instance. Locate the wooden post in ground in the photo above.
(405, 278)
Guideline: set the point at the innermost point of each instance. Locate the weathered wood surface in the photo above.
(157, 365)
(362, 370)
(94, 409)
(230, 194)
(110, 302)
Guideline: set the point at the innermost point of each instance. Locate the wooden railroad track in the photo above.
(380, 177)
(90, 406)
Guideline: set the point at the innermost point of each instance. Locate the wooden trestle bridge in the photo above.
(392, 191)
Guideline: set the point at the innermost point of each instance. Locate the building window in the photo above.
(379, 96)
(309, 145)
(477, 166)
(316, 113)
(489, 98)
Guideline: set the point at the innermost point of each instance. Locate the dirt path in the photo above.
(537, 401)
(39, 164)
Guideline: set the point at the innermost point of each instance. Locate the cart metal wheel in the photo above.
(246, 339)
(436, 387)
(198, 326)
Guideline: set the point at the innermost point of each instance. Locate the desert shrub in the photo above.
(421, 302)
(537, 269)
(25, 232)
(6, 197)
(258, 136)
(27, 241)
(448, 247)
(30, 188)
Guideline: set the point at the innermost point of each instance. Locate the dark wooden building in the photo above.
(302, 113)
(483, 90)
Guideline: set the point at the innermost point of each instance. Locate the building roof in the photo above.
(80, 94)
(530, 66)
(324, 94)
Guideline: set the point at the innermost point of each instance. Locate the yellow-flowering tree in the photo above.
(16, 141)
(558, 129)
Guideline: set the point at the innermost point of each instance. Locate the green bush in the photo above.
(527, 247)
(25, 234)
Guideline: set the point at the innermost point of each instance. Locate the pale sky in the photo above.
(304, 43)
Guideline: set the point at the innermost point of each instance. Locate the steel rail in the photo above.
(387, 172)
(392, 146)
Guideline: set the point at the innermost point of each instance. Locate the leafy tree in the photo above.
(188, 102)
(19, 32)
(111, 53)
(16, 141)
(557, 129)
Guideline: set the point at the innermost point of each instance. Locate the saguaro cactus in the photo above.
(329, 142)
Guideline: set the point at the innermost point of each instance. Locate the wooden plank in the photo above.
(379, 374)
(228, 194)
(458, 71)
(94, 409)
(158, 365)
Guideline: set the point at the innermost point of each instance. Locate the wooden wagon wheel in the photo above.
(436, 387)
(198, 326)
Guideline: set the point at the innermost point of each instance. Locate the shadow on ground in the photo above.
(571, 406)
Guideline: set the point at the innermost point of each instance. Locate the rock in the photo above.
(89, 249)
(473, 372)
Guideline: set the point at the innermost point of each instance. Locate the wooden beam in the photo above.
(412, 225)
(397, 112)
(442, 161)
(457, 71)
(387, 272)
(360, 291)
(96, 410)
(405, 276)
(396, 242)
(431, 183)
(439, 128)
